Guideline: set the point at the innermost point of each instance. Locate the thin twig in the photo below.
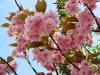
(18, 5)
(56, 69)
(8, 65)
(64, 54)
(8, 73)
(95, 30)
(86, 49)
(93, 16)
(30, 64)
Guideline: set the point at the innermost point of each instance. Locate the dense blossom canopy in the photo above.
(53, 40)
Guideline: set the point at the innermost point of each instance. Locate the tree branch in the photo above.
(8, 72)
(18, 5)
(8, 65)
(64, 54)
(30, 64)
(93, 16)
(95, 30)
(56, 69)
(86, 49)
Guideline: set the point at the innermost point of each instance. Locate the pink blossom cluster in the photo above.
(73, 5)
(17, 24)
(47, 58)
(32, 28)
(82, 28)
(78, 35)
(40, 25)
(85, 67)
(4, 68)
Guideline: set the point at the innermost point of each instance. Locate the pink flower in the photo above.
(40, 56)
(19, 54)
(17, 24)
(56, 57)
(89, 39)
(21, 42)
(50, 22)
(73, 70)
(2, 70)
(85, 68)
(47, 58)
(40, 24)
(86, 17)
(72, 6)
(14, 65)
(49, 66)
(33, 27)
(5, 67)
(90, 3)
(64, 42)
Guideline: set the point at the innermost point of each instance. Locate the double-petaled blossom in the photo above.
(91, 3)
(17, 24)
(85, 68)
(44, 58)
(47, 58)
(64, 41)
(2, 71)
(72, 6)
(40, 24)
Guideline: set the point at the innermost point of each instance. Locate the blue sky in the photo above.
(7, 6)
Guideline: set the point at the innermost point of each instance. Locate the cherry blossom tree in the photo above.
(61, 41)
